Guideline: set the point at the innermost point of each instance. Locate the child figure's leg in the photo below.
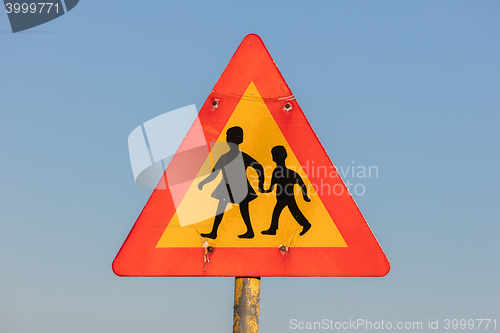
(274, 222)
(299, 217)
(246, 218)
(218, 219)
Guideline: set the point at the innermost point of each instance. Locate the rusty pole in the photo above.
(246, 305)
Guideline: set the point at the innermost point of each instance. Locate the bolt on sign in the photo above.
(251, 191)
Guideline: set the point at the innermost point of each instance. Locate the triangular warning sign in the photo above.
(290, 215)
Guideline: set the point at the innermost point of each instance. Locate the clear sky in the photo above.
(411, 87)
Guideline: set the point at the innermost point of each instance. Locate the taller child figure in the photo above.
(224, 192)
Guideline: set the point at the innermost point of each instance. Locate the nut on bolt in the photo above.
(288, 107)
(283, 248)
(210, 249)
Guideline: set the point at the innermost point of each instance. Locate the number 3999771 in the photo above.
(32, 8)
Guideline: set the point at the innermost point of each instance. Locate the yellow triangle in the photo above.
(261, 134)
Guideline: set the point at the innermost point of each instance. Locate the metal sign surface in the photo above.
(265, 200)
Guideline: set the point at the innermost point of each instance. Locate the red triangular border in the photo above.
(363, 256)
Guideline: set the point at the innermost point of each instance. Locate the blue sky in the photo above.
(410, 87)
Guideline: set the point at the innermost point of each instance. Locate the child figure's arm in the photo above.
(260, 172)
(273, 182)
(212, 175)
(303, 187)
(251, 162)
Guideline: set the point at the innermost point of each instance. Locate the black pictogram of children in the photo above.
(283, 179)
(224, 192)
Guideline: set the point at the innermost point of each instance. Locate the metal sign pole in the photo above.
(246, 304)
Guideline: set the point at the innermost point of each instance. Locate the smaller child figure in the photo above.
(285, 179)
